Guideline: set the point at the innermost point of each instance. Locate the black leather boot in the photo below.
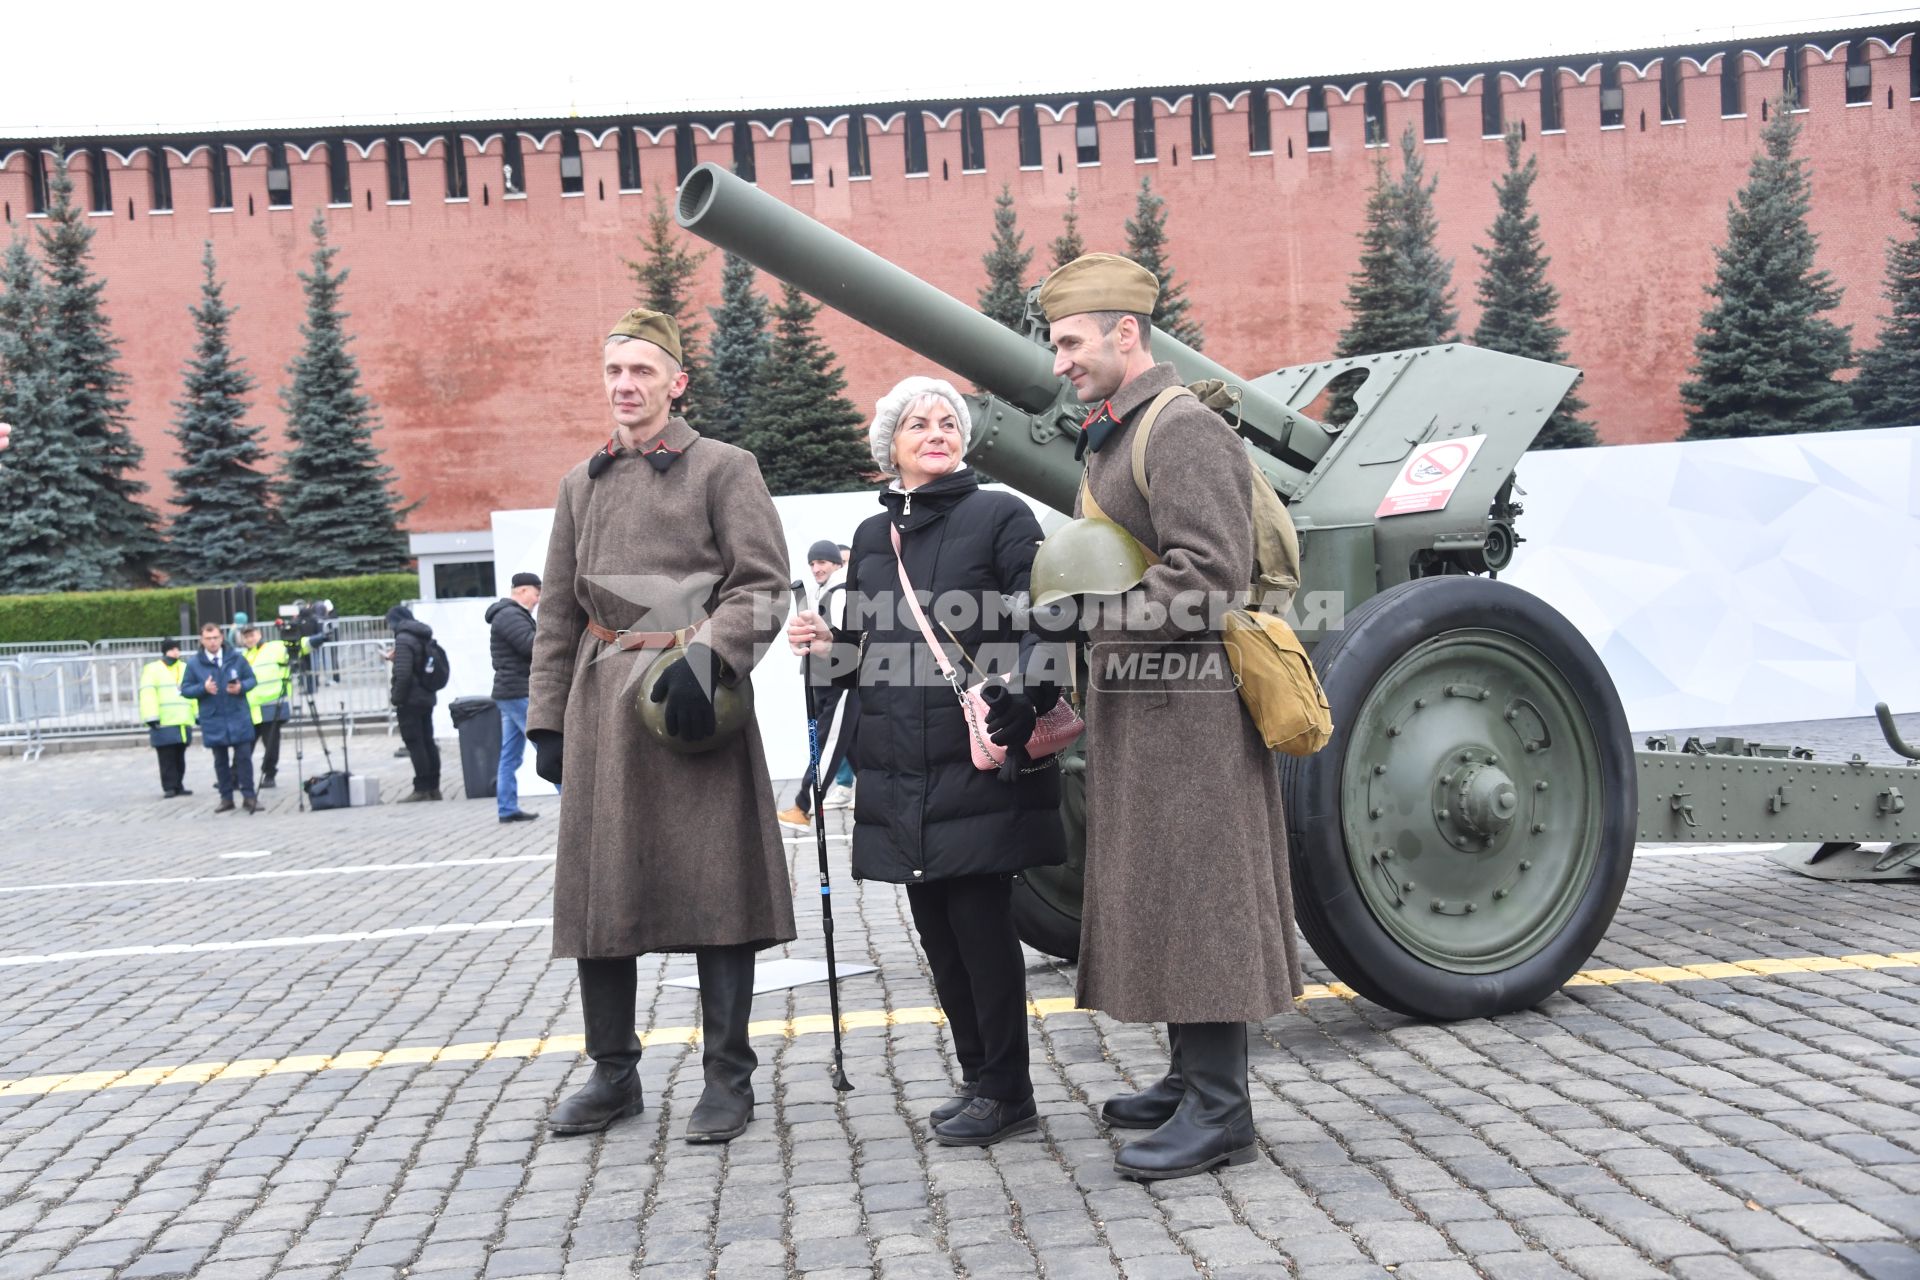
(1213, 1125)
(984, 1121)
(725, 1108)
(613, 1091)
(1154, 1105)
(956, 1104)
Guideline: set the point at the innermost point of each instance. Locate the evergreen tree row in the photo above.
(70, 514)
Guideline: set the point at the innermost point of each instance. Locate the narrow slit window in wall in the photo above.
(279, 177)
(1374, 112)
(1433, 110)
(1202, 123)
(339, 177)
(973, 141)
(1793, 76)
(1859, 73)
(743, 165)
(859, 158)
(916, 141)
(1913, 65)
(1145, 146)
(399, 189)
(629, 159)
(1086, 134)
(1551, 117)
(686, 156)
(1029, 136)
(800, 149)
(160, 179)
(456, 163)
(1319, 129)
(1733, 98)
(1613, 100)
(1259, 121)
(1673, 105)
(1493, 121)
(99, 181)
(219, 176)
(36, 180)
(513, 165)
(573, 173)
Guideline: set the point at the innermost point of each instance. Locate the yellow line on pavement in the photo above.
(198, 1073)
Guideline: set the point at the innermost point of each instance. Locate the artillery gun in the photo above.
(1461, 845)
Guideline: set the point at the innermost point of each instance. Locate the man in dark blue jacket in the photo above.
(413, 699)
(218, 678)
(511, 644)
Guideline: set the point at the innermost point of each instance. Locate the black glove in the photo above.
(546, 754)
(684, 687)
(1010, 719)
(153, 724)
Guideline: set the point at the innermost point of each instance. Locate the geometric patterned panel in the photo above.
(1736, 581)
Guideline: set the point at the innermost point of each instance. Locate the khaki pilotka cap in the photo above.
(650, 326)
(1099, 282)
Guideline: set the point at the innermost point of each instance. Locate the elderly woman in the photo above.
(924, 815)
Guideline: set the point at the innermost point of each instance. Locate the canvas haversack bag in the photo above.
(1278, 684)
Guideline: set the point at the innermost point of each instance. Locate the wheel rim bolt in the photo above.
(1538, 827)
(1526, 864)
(1499, 895)
(1373, 813)
(1379, 769)
(1540, 785)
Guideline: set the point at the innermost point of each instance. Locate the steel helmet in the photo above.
(732, 707)
(1086, 557)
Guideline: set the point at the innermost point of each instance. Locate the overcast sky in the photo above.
(117, 67)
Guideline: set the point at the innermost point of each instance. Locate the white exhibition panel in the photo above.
(1730, 582)
(1723, 582)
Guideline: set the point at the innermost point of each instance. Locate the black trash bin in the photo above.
(477, 721)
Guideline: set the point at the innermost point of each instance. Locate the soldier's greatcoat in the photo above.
(1188, 913)
(660, 851)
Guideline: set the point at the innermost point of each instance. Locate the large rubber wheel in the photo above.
(1046, 900)
(1461, 844)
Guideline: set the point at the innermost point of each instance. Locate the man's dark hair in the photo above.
(214, 625)
(1107, 320)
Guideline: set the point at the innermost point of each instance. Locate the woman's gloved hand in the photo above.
(1045, 697)
(1011, 718)
(546, 754)
(685, 688)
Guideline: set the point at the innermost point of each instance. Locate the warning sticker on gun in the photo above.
(1428, 478)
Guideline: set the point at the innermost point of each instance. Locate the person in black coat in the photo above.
(924, 816)
(413, 701)
(510, 641)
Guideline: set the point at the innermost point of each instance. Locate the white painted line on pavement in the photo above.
(356, 869)
(248, 853)
(255, 944)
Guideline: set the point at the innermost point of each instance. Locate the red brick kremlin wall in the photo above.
(477, 322)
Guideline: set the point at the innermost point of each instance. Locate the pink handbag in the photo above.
(1060, 728)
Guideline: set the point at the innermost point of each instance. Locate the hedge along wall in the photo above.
(104, 615)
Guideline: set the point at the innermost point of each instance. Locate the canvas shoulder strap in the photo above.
(1141, 432)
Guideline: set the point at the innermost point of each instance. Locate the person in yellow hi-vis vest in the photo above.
(269, 699)
(170, 718)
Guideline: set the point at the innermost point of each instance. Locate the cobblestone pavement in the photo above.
(319, 1045)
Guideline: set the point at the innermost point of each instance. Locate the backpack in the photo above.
(434, 668)
(1278, 684)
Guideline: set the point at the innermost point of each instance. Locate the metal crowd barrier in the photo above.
(22, 648)
(78, 695)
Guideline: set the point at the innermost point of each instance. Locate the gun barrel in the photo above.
(780, 240)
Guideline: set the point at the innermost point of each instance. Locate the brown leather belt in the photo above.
(638, 639)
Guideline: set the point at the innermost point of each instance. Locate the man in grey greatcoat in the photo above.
(1187, 917)
(663, 541)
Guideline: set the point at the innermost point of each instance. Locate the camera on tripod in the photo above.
(304, 627)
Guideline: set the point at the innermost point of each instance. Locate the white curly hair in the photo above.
(893, 406)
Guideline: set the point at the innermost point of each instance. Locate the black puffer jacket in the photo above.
(921, 810)
(410, 638)
(511, 642)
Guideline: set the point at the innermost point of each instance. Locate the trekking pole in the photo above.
(840, 1081)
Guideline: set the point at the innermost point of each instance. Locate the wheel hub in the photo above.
(1475, 801)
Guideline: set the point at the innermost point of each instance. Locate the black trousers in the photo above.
(267, 734)
(173, 766)
(416, 730)
(966, 929)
